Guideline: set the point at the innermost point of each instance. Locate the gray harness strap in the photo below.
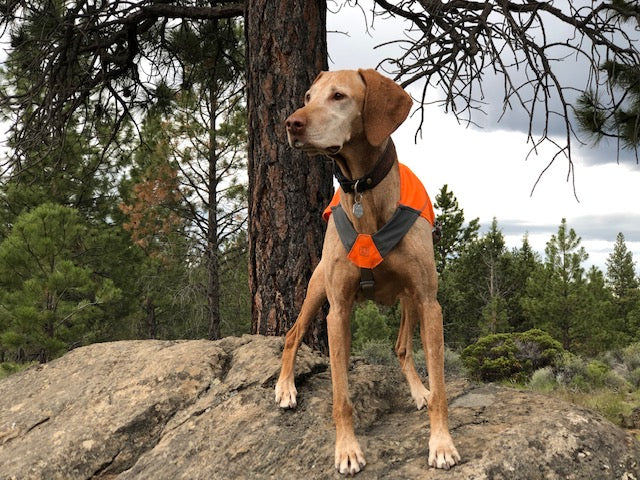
(384, 239)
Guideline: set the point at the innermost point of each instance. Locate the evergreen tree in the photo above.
(603, 329)
(475, 288)
(455, 236)
(50, 297)
(369, 324)
(209, 131)
(79, 169)
(494, 294)
(159, 234)
(622, 281)
(556, 293)
(452, 291)
(521, 263)
(621, 273)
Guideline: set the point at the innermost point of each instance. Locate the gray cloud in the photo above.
(357, 49)
(593, 227)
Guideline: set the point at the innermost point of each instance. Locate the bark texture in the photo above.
(286, 48)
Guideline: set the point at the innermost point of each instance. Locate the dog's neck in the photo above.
(379, 202)
(358, 162)
(372, 177)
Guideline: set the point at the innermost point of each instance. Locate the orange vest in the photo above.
(368, 251)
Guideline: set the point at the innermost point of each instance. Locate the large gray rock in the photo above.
(205, 410)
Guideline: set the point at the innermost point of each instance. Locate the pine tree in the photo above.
(474, 289)
(159, 234)
(494, 295)
(556, 293)
(621, 122)
(603, 329)
(522, 262)
(50, 297)
(78, 167)
(621, 273)
(622, 281)
(455, 236)
(209, 130)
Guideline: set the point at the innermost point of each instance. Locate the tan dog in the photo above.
(350, 116)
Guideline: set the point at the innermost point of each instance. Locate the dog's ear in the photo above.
(318, 77)
(386, 106)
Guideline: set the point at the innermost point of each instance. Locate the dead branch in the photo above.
(94, 54)
(455, 46)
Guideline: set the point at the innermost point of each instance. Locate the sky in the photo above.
(488, 169)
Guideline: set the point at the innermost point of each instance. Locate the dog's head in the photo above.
(346, 106)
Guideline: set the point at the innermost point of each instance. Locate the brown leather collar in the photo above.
(371, 179)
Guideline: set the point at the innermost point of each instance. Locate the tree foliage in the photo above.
(555, 300)
(455, 236)
(51, 298)
(618, 118)
(114, 162)
(89, 58)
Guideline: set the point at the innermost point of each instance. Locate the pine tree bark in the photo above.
(286, 49)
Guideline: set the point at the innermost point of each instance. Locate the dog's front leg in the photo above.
(285, 388)
(442, 451)
(349, 459)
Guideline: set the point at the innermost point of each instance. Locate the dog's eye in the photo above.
(338, 96)
(307, 97)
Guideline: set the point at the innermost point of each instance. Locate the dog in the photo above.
(349, 116)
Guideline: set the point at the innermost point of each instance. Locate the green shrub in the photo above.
(634, 378)
(631, 356)
(8, 368)
(595, 373)
(569, 367)
(543, 380)
(377, 352)
(579, 375)
(369, 324)
(453, 366)
(510, 356)
(616, 382)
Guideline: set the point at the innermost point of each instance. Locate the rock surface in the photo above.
(205, 410)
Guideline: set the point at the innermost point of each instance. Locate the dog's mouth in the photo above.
(307, 147)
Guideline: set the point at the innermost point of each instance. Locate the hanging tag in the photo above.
(357, 209)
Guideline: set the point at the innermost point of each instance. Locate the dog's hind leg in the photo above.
(404, 351)
(285, 388)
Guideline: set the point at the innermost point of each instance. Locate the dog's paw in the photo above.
(421, 396)
(349, 457)
(286, 393)
(442, 452)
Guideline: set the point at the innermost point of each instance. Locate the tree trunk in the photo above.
(286, 49)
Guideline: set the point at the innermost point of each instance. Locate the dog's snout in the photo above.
(295, 123)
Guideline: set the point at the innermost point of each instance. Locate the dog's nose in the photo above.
(295, 123)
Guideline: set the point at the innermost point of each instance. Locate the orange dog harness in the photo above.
(368, 251)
